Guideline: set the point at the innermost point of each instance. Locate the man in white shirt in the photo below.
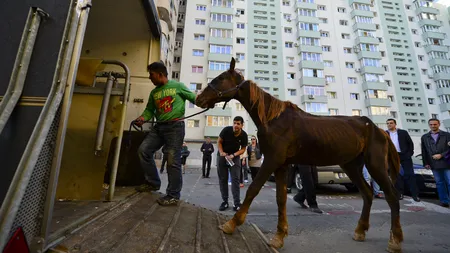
(405, 148)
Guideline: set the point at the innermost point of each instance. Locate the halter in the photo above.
(220, 93)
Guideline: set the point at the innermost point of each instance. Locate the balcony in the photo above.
(430, 22)
(446, 122)
(317, 81)
(374, 86)
(310, 49)
(222, 10)
(360, 1)
(425, 9)
(434, 35)
(443, 91)
(444, 107)
(384, 102)
(311, 65)
(213, 73)
(213, 131)
(442, 62)
(364, 26)
(218, 111)
(372, 70)
(307, 19)
(221, 25)
(369, 54)
(221, 41)
(441, 76)
(313, 98)
(439, 48)
(163, 7)
(219, 57)
(379, 119)
(305, 33)
(362, 13)
(302, 5)
(367, 40)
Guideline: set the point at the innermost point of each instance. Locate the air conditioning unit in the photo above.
(311, 96)
(291, 64)
(358, 70)
(237, 14)
(289, 20)
(295, 44)
(237, 60)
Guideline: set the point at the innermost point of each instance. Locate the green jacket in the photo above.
(167, 102)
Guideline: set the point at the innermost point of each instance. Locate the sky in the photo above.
(443, 2)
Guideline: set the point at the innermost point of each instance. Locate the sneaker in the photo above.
(300, 202)
(229, 183)
(224, 206)
(417, 199)
(444, 205)
(246, 181)
(146, 188)
(167, 201)
(316, 210)
(236, 207)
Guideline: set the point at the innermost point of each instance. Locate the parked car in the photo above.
(424, 178)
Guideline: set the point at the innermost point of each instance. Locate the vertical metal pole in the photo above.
(103, 114)
(20, 69)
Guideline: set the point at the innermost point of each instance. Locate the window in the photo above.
(288, 44)
(240, 40)
(220, 49)
(217, 17)
(199, 37)
(328, 63)
(309, 41)
(321, 7)
(349, 65)
(177, 59)
(308, 26)
(306, 56)
(195, 86)
(221, 33)
(219, 121)
(345, 36)
(240, 25)
(324, 34)
(193, 123)
(431, 101)
(333, 112)
(312, 72)
(351, 80)
(292, 92)
(420, 57)
(330, 79)
(378, 110)
(314, 90)
(343, 22)
(175, 75)
(356, 112)
(180, 17)
(434, 116)
(287, 30)
(347, 50)
(332, 94)
(326, 48)
(222, 3)
(200, 22)
(201, 7)
(239, 107)
(198, 52)
(240, 56)
(290, 76)
(354, 96)
(323, 20)
(316, 107)
(216, 65)
(197, 69)
(341, 10)
(240, 11)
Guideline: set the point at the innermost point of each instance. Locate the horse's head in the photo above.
(222, 88)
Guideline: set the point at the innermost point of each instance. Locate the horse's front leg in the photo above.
(282, 229)
(238, 219)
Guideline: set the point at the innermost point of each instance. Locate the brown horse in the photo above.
(302, 138)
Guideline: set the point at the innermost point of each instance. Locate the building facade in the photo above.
(381, 59)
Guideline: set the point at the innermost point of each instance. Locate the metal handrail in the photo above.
(19, 73)
(13, 198)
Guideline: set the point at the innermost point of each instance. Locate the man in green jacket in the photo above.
(166, 104)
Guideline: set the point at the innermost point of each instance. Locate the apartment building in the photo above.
(378, 58)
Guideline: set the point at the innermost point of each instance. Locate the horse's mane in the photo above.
(276, 106)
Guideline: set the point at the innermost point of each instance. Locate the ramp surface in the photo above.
(141, 225)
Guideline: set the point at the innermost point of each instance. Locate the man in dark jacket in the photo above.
(405, 148)
(207, 150)
(435, 144)
(309, 176)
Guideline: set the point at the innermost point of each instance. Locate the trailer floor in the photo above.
(140, 224)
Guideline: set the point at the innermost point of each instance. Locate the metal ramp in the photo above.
(140, 224)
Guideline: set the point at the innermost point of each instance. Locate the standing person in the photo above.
(166, 103)
(184, 155)
(254, 157)
(231, 144)
(207, 150)
(405, 148)
(244, 172)
(435, 144)
(376, 188)
(309, 176)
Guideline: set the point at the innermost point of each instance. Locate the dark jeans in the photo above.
(164, 161)
(171, 135)
(408, 177)
(222, 172)
(244, 173)
(254, 171)
(206, 165)
(308, 191)
(442, 178)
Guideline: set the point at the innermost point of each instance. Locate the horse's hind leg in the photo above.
(282, 228)
(264, 172)
(380, 175)
(354, 172)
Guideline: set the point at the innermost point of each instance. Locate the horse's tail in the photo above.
(393, 160)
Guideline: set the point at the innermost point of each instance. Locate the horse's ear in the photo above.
(232, 64)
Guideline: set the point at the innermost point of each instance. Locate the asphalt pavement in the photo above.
(425, 224)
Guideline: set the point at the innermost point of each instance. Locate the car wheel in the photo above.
(351, 188)
(298, 181)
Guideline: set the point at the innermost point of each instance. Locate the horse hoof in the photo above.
(394, 247)
(276, 242)
(359, 237)
(227, 228)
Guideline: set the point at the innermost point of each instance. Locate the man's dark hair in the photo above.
(239, 118)
(395, 122)
(157, 67)
(433, 119)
